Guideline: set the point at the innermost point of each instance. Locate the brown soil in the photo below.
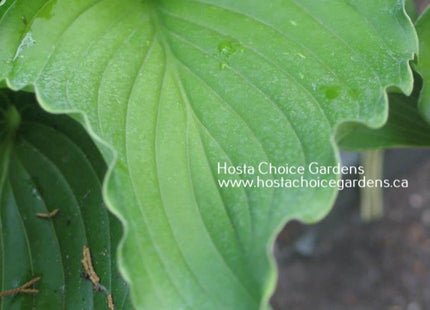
(379, 266)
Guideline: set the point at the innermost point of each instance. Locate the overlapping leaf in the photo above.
(423, 29)
(405, 127)
(50, 163)
(176, 87)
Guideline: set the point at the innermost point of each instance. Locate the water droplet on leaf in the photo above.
(226, 49)
(331, 91)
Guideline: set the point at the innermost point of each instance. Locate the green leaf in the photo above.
(173, 87)
(50, 163)
(411, 9)
(423, 67)
(405, 128)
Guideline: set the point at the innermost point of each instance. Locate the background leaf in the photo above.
(174, 87)
(405, 127)
(411, 9)
(52, 163)
(423, 29)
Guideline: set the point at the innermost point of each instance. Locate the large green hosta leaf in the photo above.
(423, 29)
(173, 87)
(50, 163)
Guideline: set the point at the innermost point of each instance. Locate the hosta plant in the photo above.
(168, 91)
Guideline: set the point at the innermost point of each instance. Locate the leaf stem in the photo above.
(371, 199)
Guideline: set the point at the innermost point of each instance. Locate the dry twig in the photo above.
(24, 289)
(89, 271)
(110, 302)
(91, 274)
(48, 215)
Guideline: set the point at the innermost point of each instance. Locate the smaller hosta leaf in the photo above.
(405, 127)
(423, 29)
(411, 9)
(48, 163)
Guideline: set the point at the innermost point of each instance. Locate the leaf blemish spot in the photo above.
(86, 195)
(26, 42)
(35, 193)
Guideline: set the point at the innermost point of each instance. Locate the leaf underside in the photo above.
(51, 163)
(174, 87)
